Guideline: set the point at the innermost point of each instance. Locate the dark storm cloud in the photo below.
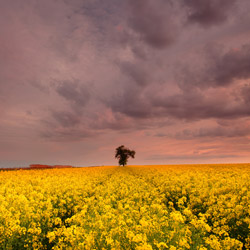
(68, 123)
(66, 119)
(197, 106)
(74, 92)
(189, 106)
(123, 55)
(245, 93)
(66, 126)
(139, 100)
(67, 134)
(137, 72)
(131, 103)
(233, 65)
(153, 21)
(217, 68)
(215, 131)
(209, 12)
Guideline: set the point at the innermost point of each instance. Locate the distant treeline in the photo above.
(38, 166)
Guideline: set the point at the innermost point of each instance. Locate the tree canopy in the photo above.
(123, 153)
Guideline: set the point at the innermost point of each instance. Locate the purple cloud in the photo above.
(153, 21)
(209, 12)
(93, 74)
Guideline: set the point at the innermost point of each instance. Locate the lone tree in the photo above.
(123, 153)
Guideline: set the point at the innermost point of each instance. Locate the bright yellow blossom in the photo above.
(133, 207)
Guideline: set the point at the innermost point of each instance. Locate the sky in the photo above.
(169, 79)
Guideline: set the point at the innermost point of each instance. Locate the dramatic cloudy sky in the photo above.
(167, 78)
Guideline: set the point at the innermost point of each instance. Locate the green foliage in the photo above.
(123, 153)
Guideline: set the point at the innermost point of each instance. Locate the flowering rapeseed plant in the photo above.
(137, 207)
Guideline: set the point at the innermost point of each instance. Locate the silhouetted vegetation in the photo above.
(123, 153)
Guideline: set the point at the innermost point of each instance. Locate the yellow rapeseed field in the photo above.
(133, 207)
